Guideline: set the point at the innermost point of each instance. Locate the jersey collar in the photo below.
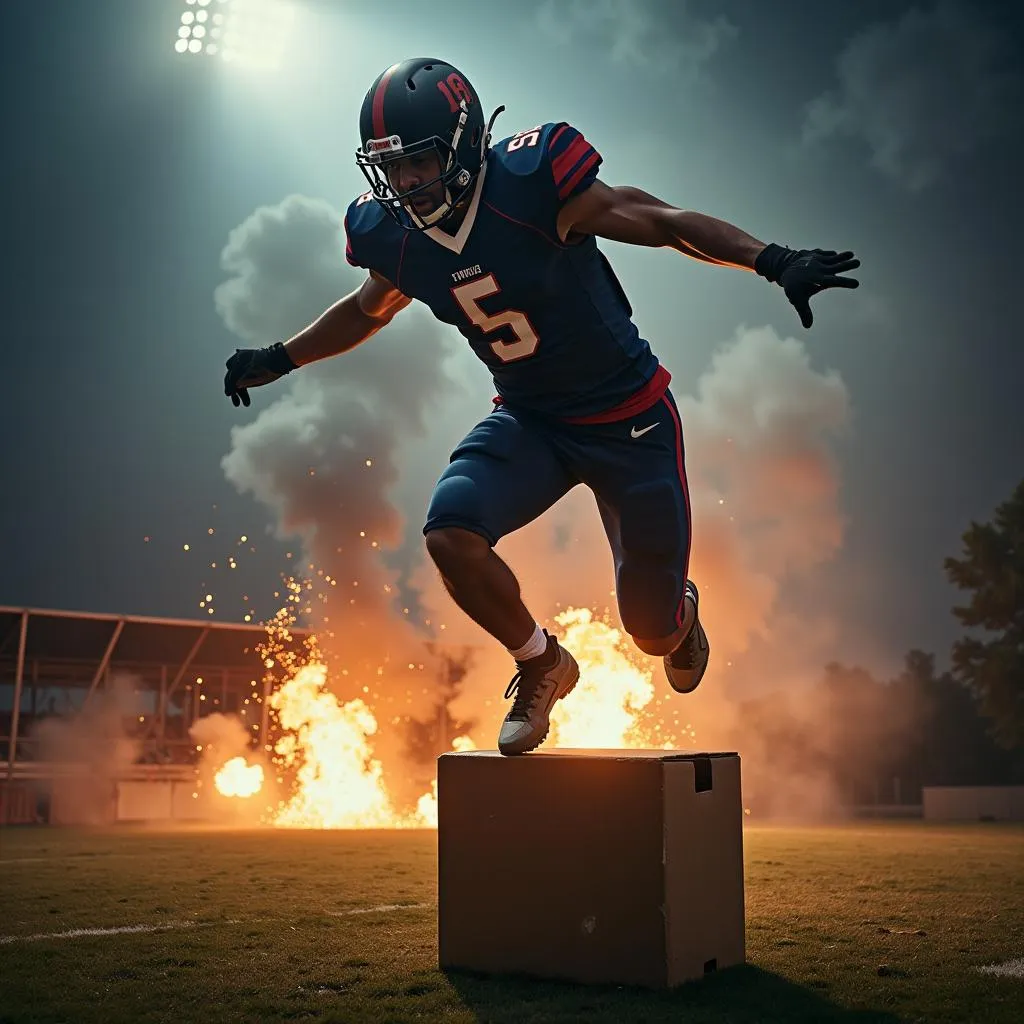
(457, 242)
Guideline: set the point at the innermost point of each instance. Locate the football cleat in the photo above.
(535, 687)
(686, 665)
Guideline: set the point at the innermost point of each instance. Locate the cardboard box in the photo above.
(602, 866)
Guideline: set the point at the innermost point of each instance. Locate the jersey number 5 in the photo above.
(468, 295)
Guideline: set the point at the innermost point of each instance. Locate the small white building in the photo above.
(974, 803)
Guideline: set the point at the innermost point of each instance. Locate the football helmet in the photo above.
(422, 105)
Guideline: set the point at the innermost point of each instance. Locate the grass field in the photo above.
(850, 924)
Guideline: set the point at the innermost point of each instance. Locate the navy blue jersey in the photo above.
(548, 318)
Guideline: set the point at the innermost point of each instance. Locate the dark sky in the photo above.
(889, 128)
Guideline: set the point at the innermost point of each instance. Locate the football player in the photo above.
(501, 242)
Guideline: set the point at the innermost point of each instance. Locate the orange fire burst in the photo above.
(338, 782)
(238, 778)
(326, 748)
(613, 689)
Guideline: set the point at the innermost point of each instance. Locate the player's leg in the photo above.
(503, 475)
(640, 483)
(481, 583)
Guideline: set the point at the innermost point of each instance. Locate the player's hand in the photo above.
(253, 367)
(802, 273)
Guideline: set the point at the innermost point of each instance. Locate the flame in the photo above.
(426, 806)
(325, 745)
(239, 778)
(338, 782)
(613, 689)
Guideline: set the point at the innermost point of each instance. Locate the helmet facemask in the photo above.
(377, 155)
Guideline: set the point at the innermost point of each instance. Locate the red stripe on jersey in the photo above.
(556, 137)
(640, 401)
(563, 164)
(379, 131)
(571, 183)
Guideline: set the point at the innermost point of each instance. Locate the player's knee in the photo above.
(450, 547)
(658, 647)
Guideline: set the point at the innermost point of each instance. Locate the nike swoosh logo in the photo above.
(634, 433)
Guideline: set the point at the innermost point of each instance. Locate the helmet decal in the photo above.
(377, 148)
(378, 101)
(455, 91)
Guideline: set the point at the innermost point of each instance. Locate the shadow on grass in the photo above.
(740, 995)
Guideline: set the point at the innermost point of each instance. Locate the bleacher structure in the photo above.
(152, 678)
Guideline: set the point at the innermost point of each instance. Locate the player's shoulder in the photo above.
(555, 155)
(365, 215)
(531, 149)
(370, 234)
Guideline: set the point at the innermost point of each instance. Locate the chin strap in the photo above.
(457, 134)
(486, 141)
(437, 215)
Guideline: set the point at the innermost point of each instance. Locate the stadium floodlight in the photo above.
(251, 33)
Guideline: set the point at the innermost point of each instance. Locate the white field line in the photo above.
(84, 933)
(382, 909)
(170, 926)
(82, 858)
(1010, 969)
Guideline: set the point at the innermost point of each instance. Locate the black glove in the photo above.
(802, 273)
(252, 367)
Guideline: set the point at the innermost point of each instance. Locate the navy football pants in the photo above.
(511, 467)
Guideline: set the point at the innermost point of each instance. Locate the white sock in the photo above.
(537, 644)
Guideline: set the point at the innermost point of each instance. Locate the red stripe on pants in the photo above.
(680, 466)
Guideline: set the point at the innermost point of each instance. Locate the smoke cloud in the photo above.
(324, 451)
(323, 455)
(763, 476)
(92, 749)
(922, 91)
(649, 36)
(221, 738)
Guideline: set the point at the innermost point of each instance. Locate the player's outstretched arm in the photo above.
(346, 324)
(626, 214)
(349, 322)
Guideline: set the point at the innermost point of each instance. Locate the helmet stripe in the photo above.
(379, 130)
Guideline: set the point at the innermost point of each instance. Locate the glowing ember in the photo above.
(239, 778)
